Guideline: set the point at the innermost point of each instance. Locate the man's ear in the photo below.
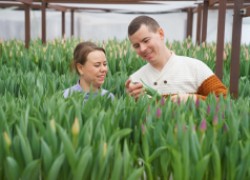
(79, 68)
(161, 33)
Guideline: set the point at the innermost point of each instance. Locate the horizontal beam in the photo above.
(57, 7)
(245, 12)
(108, 1)
(68, 8)
(213, 2)
(18, 4)
(29, 2)
(97, 1)
(244, 1)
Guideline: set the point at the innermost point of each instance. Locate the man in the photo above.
(171, 75)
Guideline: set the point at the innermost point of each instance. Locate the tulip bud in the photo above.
(53, 125)
(197, 102)
(75, 127)
(208, 109)
(215, 120)
(224, 55)
(203, 125)
(104, 149)
(162, 101)
(158, 113)
(7, 139)
(143, 129)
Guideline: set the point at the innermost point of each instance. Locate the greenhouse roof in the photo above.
(119, 6)
(157, 7)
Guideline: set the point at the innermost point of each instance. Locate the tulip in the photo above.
(197, 102)
(215, 120)
(143, 129)
(158, 113)
(162, 101)
(208, 109)
(104, 149)
(203, 125)
(75, 131)
(224, 55)
(75, 127)
(225, 127)
(53, 125)
(7, 139)
(148, 108)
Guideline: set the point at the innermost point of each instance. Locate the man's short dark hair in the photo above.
(136, 23)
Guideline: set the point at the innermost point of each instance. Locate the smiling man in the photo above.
(171, 75)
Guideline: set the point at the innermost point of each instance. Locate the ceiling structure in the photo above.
(149, 8)
(118, 6)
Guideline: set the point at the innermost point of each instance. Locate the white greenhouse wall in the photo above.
(104, 26)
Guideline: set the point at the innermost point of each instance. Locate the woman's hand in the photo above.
(134, 89)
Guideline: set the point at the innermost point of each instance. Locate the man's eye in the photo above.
(136, 46)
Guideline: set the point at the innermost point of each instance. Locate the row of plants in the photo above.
(55, 57)
(44, 136)
(54, 138)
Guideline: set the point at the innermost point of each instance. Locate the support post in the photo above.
(204, 21)
(220, 39)
(27, 25)
(198, 31)
(72, 22)
(235, 56)
(63, 24)
(189, 22)
(43, 10)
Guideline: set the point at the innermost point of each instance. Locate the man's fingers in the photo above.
(136, 92)
(127, 83)
(134, 89)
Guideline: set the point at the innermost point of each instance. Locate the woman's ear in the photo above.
(79, 68)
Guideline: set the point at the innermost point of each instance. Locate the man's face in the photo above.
(147, 44)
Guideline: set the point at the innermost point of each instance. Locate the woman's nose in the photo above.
(104, 68)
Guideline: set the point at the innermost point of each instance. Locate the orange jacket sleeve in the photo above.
(211, 85)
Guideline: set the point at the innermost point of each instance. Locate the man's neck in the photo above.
(163, 60)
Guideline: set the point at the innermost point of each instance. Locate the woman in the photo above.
(91, 65)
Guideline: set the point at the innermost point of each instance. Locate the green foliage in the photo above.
(119, 139)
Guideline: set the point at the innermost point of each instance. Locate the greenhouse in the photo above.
(65, 116)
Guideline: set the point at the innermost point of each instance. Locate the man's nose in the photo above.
(143, 47)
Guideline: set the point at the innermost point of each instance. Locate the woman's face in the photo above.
(94, 71)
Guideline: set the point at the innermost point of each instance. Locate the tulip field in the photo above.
(44, 136)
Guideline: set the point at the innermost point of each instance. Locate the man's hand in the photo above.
(183, 97)
(134, 89)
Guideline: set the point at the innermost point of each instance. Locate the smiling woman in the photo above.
(91, 65)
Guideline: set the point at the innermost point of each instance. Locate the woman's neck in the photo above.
(87, 87)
